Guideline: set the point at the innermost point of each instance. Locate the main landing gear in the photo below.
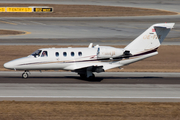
(25, 75)
(85, 76)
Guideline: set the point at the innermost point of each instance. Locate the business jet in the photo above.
(86, 61)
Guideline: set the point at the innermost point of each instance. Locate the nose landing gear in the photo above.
(25, 75)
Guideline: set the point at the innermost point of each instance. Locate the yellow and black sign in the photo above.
(2, 9)
(18, 9)
(26, 9)
(43, 10)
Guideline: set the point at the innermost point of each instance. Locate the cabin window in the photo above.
(57, 54)
(80, 53)
(64, 54)
(72, 54)
(44, 54)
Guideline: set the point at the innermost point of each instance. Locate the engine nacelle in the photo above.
(109, 52)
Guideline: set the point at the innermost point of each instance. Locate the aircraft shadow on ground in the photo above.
(76, 79)
(99, 79)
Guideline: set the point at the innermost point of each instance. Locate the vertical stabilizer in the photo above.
(150, 39)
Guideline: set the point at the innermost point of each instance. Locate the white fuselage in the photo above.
(64, 58)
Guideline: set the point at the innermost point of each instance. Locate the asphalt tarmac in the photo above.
(84, 30)
(104, 31)
(67, 86)
(128, 87)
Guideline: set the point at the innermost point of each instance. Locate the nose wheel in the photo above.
(25, 75)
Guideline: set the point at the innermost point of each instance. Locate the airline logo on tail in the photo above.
(151, 37)
(153, 30)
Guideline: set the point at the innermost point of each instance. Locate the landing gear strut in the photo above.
(87, 73)
(91, 77)
(25, 75)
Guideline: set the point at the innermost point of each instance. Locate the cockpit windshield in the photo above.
(37, 53)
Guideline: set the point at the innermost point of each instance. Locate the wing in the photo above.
(92, 66)
(86, 66)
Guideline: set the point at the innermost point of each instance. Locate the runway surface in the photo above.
(83, 30)
(53, 86)
(66, 86)
(99, 30)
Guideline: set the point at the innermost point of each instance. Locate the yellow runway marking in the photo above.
(8, 23)
(24, 33)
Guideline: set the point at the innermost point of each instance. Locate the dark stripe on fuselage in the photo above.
(98, 60)
(147, 52)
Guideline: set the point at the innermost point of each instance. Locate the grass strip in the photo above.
(14, 110)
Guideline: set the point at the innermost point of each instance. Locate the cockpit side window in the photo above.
(44, 54)
(36, 53)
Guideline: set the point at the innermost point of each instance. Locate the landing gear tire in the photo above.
(25, 75)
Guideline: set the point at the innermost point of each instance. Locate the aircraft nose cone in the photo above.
(8, 65)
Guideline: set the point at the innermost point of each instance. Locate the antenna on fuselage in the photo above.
(90, 45)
